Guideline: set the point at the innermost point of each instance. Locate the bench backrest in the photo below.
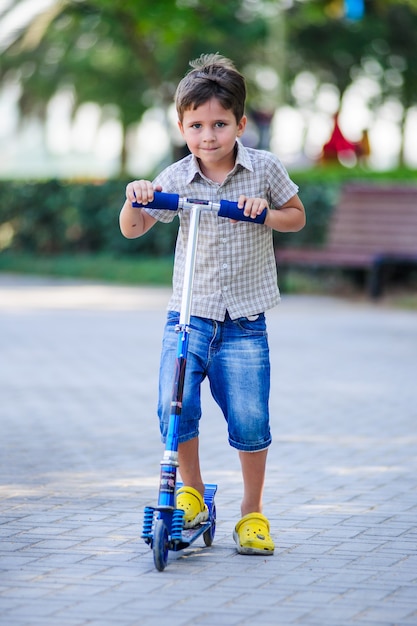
(376, 219)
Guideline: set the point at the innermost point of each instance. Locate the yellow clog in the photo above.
(191, 502)
(251, 535)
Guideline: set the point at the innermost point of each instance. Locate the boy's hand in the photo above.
(141, 191)
(252, 207)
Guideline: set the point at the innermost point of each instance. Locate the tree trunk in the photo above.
(123, 153)
(401, 155)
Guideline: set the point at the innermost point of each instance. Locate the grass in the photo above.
(338, 174)
(127, 270)
(131, 270)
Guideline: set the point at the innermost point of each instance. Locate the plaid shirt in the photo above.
(235, 263)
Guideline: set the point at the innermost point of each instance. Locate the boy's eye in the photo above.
(199, 125)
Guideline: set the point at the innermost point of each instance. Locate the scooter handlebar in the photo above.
(232, 211)
(225, 208)
(161, 200)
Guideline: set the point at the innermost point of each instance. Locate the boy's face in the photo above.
(210, 132)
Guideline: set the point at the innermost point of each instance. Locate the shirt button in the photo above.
(224, 266)
(224, 240)
(225, 288)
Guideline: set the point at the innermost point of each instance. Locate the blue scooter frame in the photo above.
(163, 525)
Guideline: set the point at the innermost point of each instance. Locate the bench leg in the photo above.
(375, 279)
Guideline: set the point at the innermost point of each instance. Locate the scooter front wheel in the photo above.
(160, 545)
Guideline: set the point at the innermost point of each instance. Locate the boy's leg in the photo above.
(240, 383)
(251, 533)
(253, 473)
(189, 465)
(190, 497)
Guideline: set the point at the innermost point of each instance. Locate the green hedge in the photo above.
(61, 217)
(57, 217)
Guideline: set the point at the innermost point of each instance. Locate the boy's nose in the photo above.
(208, 135)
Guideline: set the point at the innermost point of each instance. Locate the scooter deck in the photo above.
(189, 535)
(179, 541)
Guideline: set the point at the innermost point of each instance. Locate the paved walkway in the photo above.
(80, 458)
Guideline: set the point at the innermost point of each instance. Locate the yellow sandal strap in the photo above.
(192, 492)
(253, 518)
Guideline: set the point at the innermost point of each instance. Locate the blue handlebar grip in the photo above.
(161, 201)
(231, 210)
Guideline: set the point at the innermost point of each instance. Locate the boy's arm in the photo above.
(133, 221)
(290, 217)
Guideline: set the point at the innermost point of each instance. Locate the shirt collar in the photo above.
(242, 160)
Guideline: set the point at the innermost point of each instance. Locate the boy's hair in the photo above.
(212, 76)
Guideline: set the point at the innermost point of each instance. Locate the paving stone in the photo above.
(80, 456)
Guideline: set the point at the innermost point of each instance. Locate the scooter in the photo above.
(163, 525)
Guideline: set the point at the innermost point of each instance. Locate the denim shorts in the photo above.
(234, 356)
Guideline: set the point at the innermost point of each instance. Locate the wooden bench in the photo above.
(372, 227)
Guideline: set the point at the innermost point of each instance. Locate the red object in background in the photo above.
(340, 149)
(338, 144)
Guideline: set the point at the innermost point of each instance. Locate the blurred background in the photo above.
(86, 104)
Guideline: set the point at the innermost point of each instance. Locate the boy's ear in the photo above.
(181, 127)
(241, 126)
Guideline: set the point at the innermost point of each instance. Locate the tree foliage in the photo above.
(125, 53)
(128, 55)
(381, 46)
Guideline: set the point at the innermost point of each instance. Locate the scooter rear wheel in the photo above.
(208, 535)
(160, 545)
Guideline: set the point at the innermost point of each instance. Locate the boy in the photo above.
(235, 283)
